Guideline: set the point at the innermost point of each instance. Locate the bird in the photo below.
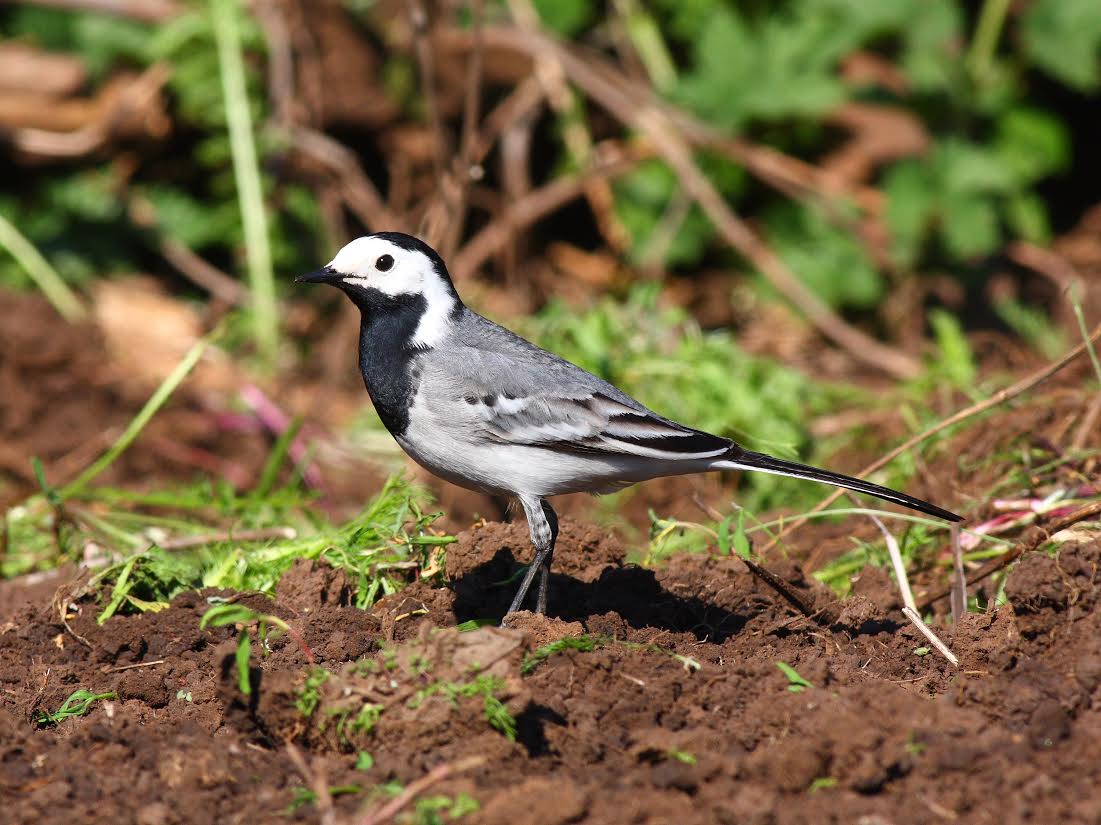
(479, 406)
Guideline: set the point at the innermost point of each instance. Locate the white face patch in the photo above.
(411, 273)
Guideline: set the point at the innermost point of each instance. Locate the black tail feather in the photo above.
(766, 463)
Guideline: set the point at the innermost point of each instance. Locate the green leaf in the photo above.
(724, 536)
(78, 703)
(1026, 214)
(244, 653)
(52, 496)
(911, 205)
(933, 37)
(364, 761)
(566, 17)
(120, 591)
(796, 683)
(969, 225)
(780, 66)
(1032, 143)
(967, 168)
(826, 258)
(741, 540)
(230, 613)
(1063, 37)
(957, 359)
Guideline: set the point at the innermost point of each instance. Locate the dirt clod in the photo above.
(673, 711)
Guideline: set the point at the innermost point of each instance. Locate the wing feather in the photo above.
(593, 423)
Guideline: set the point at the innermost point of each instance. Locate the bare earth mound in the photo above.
(626, 731)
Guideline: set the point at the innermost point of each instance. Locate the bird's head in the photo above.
(393, 272)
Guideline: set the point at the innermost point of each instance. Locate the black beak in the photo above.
(325, 275)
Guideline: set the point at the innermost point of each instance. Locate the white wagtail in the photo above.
(483, 408)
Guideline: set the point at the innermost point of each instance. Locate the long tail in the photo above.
(748, 460)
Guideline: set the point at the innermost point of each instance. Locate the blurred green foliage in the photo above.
(79, 217)
(660, 355)
(772, 71)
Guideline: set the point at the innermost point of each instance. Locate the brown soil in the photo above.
(620, 734)
(66, 400)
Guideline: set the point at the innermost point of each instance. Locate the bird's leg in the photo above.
(543, 531)
(545, 566)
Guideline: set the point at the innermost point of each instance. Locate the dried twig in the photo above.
(653, 121)
(189, 264)
(422, 46)
(1088, 425)
(959, 580)
(1007, 558)
(387, 811)
(934, 640)
(356, 188)
(533, 206)
(1027, 383)
(465, 169)
(135, 103)
(780, 586)
(897, 561)
(121, 668)
(314, 776)
(520, 103)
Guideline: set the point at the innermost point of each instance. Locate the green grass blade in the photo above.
(1081, 318)
(138, 422)
(120, 591)
(277, 456)
(244, 653)
(77, 704)
(246, 172)
(45, 277)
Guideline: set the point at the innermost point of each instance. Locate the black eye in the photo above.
(384, 262)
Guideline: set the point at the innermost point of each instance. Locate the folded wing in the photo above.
(594, 422)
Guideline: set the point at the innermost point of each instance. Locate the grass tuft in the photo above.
(78, 704)
(246, 171)
(796, 683)
(45, 277)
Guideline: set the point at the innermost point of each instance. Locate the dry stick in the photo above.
(780, 586)
(520, 103)
(204, 274)
(959, 583)
(1024, 385)
(318, 783)
(1088, 425)
(189, 264)
(436, 218)
(533, 206)
(280, 78)
(789, 175)
(465, 169)
(652, 121)
(575, 131)
(418, 22)
(358, 191)
(1007, 558)
(934, 640)
(384, 813)
(895, 553)
(1048, 263)
(121, 668)
(909, 609)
